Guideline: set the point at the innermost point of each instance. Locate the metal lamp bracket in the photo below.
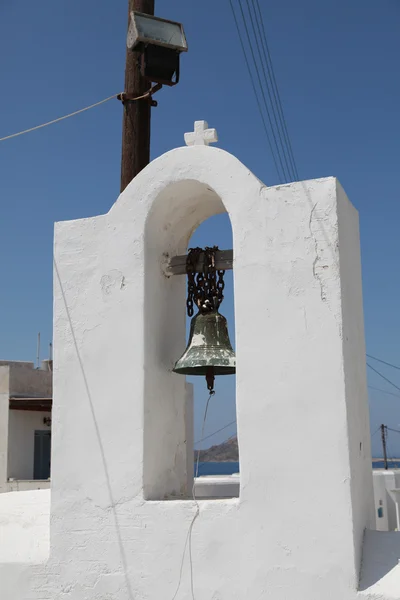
(130, 98)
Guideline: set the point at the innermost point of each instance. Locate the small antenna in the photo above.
(38, 351)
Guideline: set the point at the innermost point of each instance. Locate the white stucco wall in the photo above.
(21, 432)
(295, 532)
(351, 331)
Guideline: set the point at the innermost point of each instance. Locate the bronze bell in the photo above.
(209, 351)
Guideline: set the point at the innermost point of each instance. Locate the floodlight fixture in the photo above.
(159, 43)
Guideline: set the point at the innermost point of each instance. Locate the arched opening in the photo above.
(216, 451)
(168, 442)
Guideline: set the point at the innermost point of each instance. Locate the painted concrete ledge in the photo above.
(217, 486)
(25, 527)
(25, 485)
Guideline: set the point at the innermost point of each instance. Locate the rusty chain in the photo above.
(204, 289)
(191, 262)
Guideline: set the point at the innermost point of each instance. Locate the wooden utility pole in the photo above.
(137, 114)
(383, 436)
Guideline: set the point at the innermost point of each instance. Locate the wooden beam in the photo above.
(31, 408)
(177, 264)
(41, 404)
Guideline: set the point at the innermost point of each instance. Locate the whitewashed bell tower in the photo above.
(120, 511)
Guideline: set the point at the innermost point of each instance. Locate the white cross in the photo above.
(201, 136)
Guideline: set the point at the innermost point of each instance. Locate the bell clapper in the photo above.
(210, 378)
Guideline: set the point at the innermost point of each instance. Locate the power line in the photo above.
(383, 362)
(253, 29)
(215, 432)
(394, 430)
(371, 387)
(394, 463)
(234, 422)
(76, 112)
(383, 376)
(376, 431)
(261, 86)
(275, 89)
(255, 90)
(287, 165)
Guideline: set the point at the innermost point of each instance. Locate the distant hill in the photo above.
(226, 452)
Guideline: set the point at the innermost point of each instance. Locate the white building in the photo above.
(122, 523)
(385, 497)
(25, 425)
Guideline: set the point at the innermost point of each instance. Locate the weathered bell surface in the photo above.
(209, 347)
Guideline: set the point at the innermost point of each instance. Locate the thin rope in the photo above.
(188, 540)
(202, 440)
(194, 497)
(76, 112)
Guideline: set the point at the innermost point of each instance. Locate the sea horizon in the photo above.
(225, 467)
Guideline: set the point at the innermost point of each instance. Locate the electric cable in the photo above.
(393, 463)
(383, 376)
(376, 431)
(383, 362)
(261, 86)
(394, 430)
(371, 387)
(283, 159)
(76, 112)
(218, 431)
(271, 71)
(255, 91)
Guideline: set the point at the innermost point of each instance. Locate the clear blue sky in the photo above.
(337, 68)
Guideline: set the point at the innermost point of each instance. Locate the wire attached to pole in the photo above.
(121, 96)
(76, 112)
